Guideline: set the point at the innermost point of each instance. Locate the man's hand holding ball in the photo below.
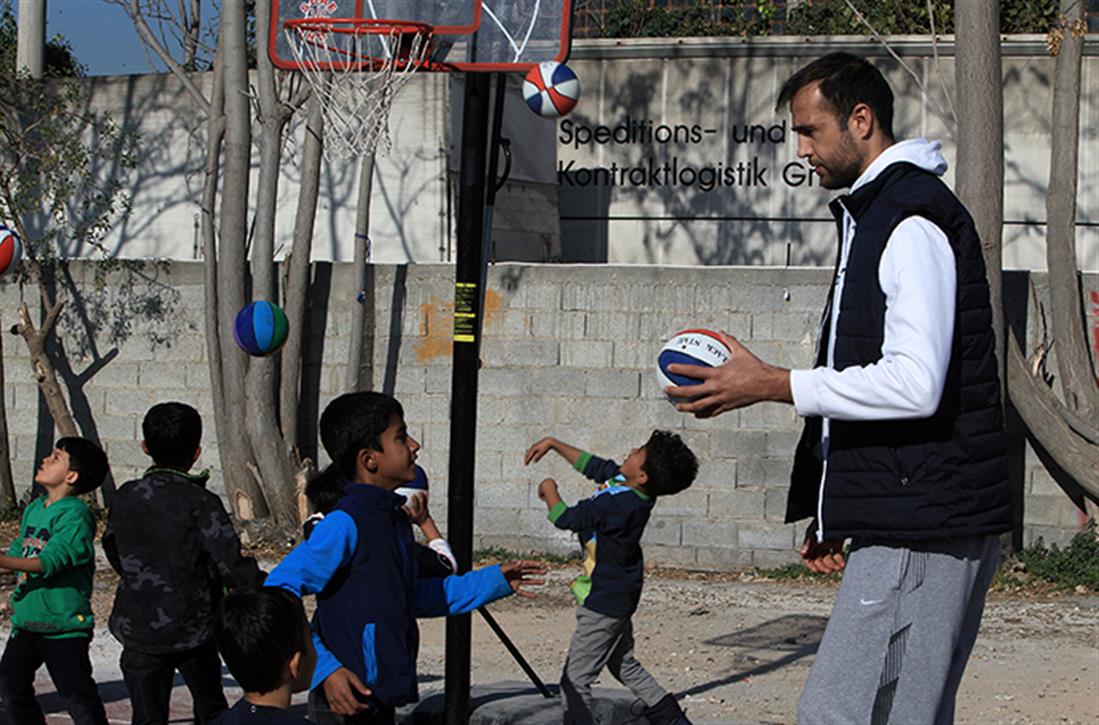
(742, 381)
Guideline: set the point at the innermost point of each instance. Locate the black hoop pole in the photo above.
(494, 184)
(463, 405)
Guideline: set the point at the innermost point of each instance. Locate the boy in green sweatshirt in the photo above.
(54, 560)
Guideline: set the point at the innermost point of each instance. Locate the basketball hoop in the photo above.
(356, 66)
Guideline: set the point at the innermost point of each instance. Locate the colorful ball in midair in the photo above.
(260, 328)
(551, 89)
(11, 250)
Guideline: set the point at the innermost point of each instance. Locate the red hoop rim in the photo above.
(360, 26)
(371, 26)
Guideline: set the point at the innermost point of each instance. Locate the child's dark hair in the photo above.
(172, 434)
(325, 490)
(257, 633)
(354, 422)
(88, 460)
(845, 81)
(669, 464)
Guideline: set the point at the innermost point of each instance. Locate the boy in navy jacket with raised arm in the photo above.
(610, 525)
(359, 561)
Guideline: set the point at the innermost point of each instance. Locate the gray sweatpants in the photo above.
(901, 631)
(601, 641)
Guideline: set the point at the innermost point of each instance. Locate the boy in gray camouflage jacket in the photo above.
(175, 550)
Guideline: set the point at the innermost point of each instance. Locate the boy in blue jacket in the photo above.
(359, 562)
(610, 525)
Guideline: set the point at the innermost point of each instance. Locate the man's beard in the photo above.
(844, 169)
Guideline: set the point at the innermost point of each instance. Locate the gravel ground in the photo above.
(740, 651)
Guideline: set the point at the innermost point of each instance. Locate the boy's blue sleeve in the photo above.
(587, 514)
(459, 594)
(596, 468)
(326, 663)
(309, 567)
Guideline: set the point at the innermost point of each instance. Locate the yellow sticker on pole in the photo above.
(465, 312)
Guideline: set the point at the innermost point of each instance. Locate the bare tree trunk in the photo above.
(1066, 430)
(42, 366)
(232, 263)
(239, 482)
(979, 175)
(1073, 361)
(297, 275)
(360, 358)
(270, 453)
(7, 483)
(1045, 418)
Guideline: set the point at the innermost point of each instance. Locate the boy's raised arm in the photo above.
(596, 468)
(541, 448)
(584, 515)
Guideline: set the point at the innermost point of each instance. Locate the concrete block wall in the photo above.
(568, 351)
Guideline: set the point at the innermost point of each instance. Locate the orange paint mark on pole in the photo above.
(437, 322)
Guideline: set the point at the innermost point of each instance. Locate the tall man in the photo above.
(903, 450)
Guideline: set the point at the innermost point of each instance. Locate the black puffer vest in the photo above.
(939, 477)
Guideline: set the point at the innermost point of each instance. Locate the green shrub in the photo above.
(704, 18)
(499, 553)
(1076, 565)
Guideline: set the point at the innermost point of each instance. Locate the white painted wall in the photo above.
(717, 86)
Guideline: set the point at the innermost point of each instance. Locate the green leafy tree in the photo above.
(61, 172)
(701, 18)
(645, 18)
(903, 17)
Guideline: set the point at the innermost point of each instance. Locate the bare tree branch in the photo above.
(42, 367)
(915, 76)
(133, 9)
(938, 61)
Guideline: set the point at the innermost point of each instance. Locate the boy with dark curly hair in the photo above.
(610, 524)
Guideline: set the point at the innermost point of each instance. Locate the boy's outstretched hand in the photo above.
(549, 443)
(519, 573)
(538, 450)
(340, 688)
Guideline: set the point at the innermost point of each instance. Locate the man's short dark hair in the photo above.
(669, 464)
(355, 422)
(257, 633)
(88, 460)
(845, 81)
(172, 434)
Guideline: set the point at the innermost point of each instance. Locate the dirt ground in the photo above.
(737, 651)
(734, 651)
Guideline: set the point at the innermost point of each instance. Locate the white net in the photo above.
(356, 71)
